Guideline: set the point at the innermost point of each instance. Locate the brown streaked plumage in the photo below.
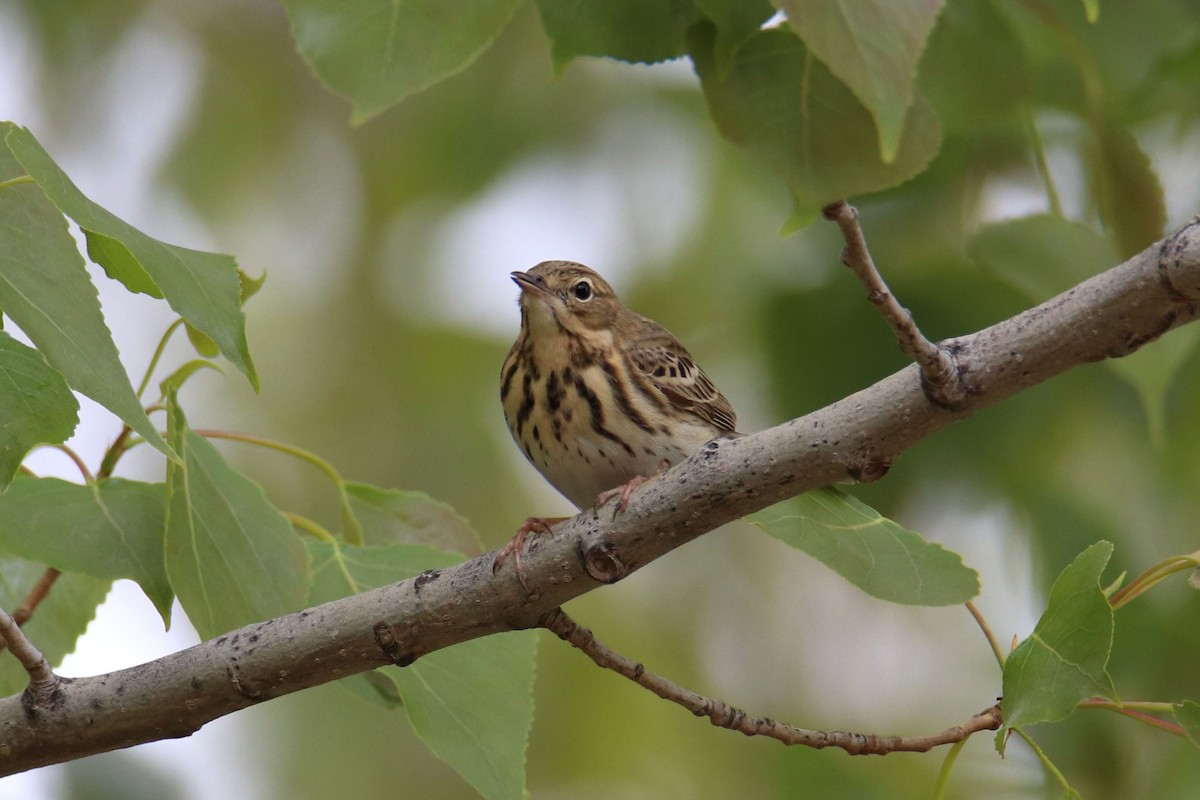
(597, 396)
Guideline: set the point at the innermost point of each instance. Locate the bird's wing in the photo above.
(675, 373)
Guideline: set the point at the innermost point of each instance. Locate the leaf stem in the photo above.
(987, 632)
(1152, 576)
(1137, 711)
(271, 444)
(311, 527)
(71, 454)
(943, 778)
(1039, 155)
(158, 351)
(352, 530)
(1046, 762)
(16, 181)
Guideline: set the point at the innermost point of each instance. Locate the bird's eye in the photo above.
(582, 291)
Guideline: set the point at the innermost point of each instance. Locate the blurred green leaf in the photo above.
(1187, 714)
(645, 31)
(176, 379)
(975, 70)
(38, 405)
(873, 47)
(872, 552)
(736, 22)
(1065, 659)
(46, 291)
(788, 109)
(1126, 187)
(1042, 255)
(1152, 370)
(392, 516)
(111, 529)
(231, 556)
(201, 287)
(377, 52)
(472, 704)
(60, 620)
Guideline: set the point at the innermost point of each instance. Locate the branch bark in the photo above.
(1108, 316)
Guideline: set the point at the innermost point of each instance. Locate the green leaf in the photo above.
(60, 620)
(111, 529)
(644, 31)
(201, 341)
(872, 552)
(1131, 198)
(341, 570)
(1187, 714)
(873, 47)
(38, 405)
(377, 52)
(1065, 659)
(203, 288)
(45, 289)
(390, 516)
(250, 286)
(788, 109)
(472, 704)
(232, 557)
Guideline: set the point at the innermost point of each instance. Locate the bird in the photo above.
(598, 397)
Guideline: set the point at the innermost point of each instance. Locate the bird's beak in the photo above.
(530, 284)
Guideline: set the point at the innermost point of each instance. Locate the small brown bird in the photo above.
(597, 396)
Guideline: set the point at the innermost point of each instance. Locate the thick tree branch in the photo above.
(1108, 316)
(724, 715)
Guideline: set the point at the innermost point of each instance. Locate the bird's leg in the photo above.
(626, 490)
(516, 545)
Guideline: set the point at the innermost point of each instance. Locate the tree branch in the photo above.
(724, 715)
(1107, 316)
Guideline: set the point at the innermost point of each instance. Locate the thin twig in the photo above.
(726, 716)
(938, 369)
(34, 599)
(36, 595)
(42, 680)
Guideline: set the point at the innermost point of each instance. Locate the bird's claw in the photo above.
(516, 546)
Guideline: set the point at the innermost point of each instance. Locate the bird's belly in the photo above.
(587, 432)
(585, 463)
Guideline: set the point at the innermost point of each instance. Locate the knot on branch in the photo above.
(390, 646)
(941, 378)
(604, 563)
(1178, 262)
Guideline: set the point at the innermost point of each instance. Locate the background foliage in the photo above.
(1046, 147)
